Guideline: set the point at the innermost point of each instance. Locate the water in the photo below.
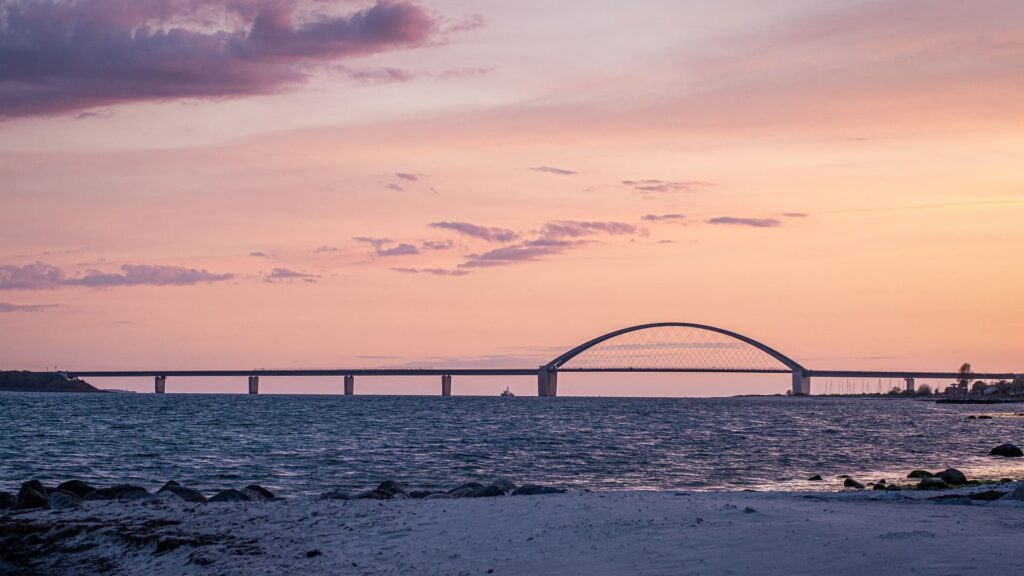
(306, 444)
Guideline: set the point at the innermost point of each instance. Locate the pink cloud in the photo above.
(752, 222)
(58, 56)
(42, 276)
(486, 233)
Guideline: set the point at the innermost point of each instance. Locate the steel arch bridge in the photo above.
(672, 347)
(657, 347)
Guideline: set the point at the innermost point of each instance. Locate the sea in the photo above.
(303, 445)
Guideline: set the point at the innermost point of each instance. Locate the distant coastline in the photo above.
(25, 381)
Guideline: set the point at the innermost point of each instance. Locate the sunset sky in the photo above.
(234, 184)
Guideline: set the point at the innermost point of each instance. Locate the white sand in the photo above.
(626, 533)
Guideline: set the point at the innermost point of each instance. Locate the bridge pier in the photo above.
(547, 382)
(254, 384)
(801, 383)
(350, 385)
(446, 385)
(159, 384)
(910, 383)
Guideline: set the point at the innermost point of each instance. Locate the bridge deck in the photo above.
(523, 372)
(908, 374)
(312, 372)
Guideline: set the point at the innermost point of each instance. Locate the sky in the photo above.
(234, 184)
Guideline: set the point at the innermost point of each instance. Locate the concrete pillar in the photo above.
(350, 385)
(254, 384)
(547, 382)
(801, 383)
(446, 385)
(910, 383)
(159, 384)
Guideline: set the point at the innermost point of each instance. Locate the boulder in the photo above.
(984, 417)
(438, 496)
(186, 494)
(391, 486)
(419, 494)
(7, 500)
(505, 485)
(894, 487)
(334, 495)
(1008, 450)
(61, 500)
(31, 495)
(229, 495)
(815, 478)
(486, 492)
(462, 492)
(257, 493)
(843, 476)
(933, 483)
(880, 486)
(129, 492)
(473, 485)
(101, 494)
(952, 476)
(373, 495)
(76, 487)
(851, 483)
(920, 474)
(534, 489)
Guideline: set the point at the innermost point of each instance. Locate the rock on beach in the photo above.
(1007, 450)
(186, 494)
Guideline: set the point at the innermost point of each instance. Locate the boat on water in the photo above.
(507, 393)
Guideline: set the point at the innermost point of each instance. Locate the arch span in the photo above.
(672, 347)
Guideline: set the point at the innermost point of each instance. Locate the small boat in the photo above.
(507, 393)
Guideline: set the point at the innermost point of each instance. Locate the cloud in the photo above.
(6, 307)
(324, 249)
(384, 75)
(259, 254)
(488, 234)
(471, 22)
(553, 170)
(65, 55)
(795, 215)
(526, 252)
(395, 187)
(407, 176)
(148, 275)
(35, 276)
(432, 271)
(437, 244)
(648, 187)
(380, 249)
(41, 276)
(284, 274)
(753, 222)
(663, 217)
(377, 243)
(402, 249)
(553, 238)
(578, 229)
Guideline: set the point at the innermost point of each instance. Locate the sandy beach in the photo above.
(648, 533)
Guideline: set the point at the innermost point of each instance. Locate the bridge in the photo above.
(660, 347)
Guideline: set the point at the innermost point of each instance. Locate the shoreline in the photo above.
(575, 533)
